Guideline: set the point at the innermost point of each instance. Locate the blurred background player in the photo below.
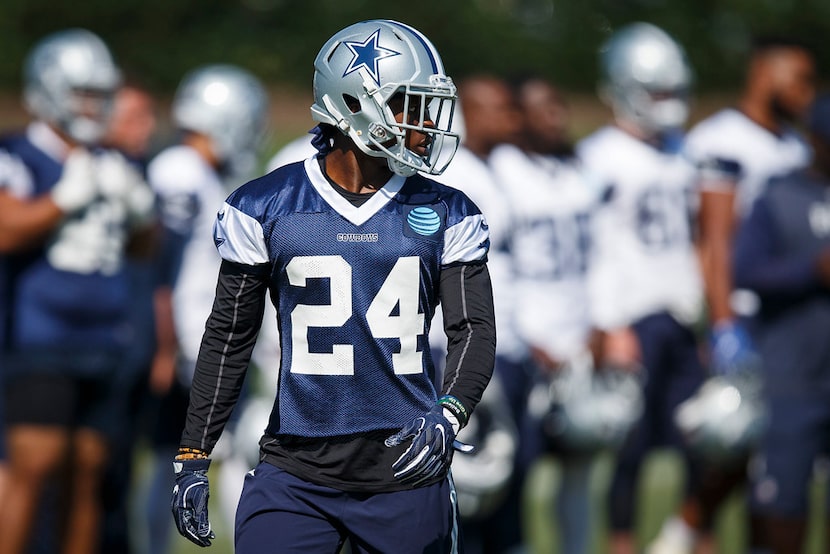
(220, 112)
(131, 131)
(645, 284)
(782, 253)
(66, 213)
(489, 117)
(738, 150)
(551, 206)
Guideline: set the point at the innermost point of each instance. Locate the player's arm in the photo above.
(716, 231)
(230, 334)
(760, 267)
(469, 322)
(719, 178)
(26, 221)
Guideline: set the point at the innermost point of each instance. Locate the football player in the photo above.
(220, 114)
(355, 250)
(737, 150)
(551, 203)
(645, 285)
(67, 209)
(782, 253)
(491, 117)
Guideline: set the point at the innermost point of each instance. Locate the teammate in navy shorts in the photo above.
(782, 253)
(67, 211)
(355, 250)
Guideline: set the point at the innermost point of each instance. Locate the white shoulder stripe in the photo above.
(466, 241)
(239, 237)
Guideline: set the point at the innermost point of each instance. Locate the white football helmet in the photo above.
(585, 409)
(482, 477)
(725, 418)
(229, 105)
(70, 80)
(646, 78)
(364, 66)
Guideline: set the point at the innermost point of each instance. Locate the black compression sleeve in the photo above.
(469, 322)
(230, 335)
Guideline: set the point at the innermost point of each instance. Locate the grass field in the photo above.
(660, 495)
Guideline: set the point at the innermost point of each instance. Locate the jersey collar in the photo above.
(354, 214)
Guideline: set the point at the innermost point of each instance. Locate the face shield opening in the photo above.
(418, 127)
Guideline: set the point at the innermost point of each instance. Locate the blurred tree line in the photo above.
(158, 40)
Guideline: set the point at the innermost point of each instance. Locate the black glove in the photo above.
(190, 500)
(433, 441)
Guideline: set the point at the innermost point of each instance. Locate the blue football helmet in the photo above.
(70, 80)
(364, 66)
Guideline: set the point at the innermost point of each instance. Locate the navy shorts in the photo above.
(61, 400)
(279, 512)
(798, 433)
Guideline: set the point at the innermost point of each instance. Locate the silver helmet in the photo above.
(70, 80)
(646, 78)
(581, 408)
(364, 66)
(725, 418)
(229, 105)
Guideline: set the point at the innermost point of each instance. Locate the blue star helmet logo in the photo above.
(367, 54)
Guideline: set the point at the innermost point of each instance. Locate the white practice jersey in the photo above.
(475, 178)
(551, 203)
(644, 261)
(735, 153)
(295, 151)
(190, 193)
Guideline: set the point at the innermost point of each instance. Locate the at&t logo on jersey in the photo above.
(424, 221)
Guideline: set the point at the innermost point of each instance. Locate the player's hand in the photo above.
(732, 349)
(190, 500)
(430, 453)
(121, 179)
(77, 186)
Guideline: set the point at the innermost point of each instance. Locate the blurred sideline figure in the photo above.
(131, 131)
(736, 151)
(490, 117)
(67, 209)
(551, 208)
(645, 285)
(221, 114)
(782, 253)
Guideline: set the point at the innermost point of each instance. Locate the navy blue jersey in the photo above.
(355, 289)
(775, 256)
(70, 293)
